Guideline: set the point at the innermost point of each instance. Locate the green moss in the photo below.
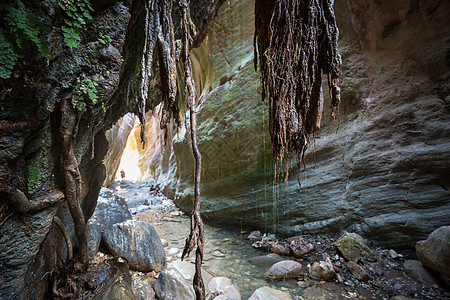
(34, 179)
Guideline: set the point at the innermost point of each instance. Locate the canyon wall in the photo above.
(380, 169)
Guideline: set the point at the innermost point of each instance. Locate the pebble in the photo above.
(218, 254)
(172, 251)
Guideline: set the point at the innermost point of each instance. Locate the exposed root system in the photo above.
(72, 178)
(297, 43)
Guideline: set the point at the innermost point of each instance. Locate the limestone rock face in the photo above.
(110, 209)
(138, 243)
(117, 137)
(434, 252)
(382, 168)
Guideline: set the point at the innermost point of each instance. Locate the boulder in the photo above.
(434, 252)
(187, 269)
(358, 271)
(284, 269)
(143, 289)
(300, 246)
(121, 288)
(328, 291)
(138, 243)
(281, 248)
(322, 270)
(224, 287)
(171, 285)
(418, 272)
(353, 247)
(267, 293)
(111, 209)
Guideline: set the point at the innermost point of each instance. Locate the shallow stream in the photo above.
(227, 253)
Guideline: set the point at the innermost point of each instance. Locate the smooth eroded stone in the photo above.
(434, 252)
(138, 243)
(225, 287)
(285, 269)
(267, 293)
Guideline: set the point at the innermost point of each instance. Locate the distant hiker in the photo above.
(122, 174)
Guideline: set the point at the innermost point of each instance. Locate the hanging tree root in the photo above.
(297, 43)
(73, 179)
(197, 233)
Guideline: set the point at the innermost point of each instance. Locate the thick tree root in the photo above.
(197, 233)
(20, 202)
(73, 179)
(66, 235)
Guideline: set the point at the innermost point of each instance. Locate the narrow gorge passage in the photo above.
(84, 82)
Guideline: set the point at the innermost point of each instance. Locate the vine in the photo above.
(77, 13)
(20, 26)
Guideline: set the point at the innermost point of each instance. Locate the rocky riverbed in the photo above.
(238, 265)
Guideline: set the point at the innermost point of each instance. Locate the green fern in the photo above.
(87, 89)
(77, 12)
(21, 27)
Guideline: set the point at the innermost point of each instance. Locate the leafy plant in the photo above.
(77, 11)
(21, 27)
(34, 178)
(104, 38)
(88, 89)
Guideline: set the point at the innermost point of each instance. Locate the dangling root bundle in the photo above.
(297, 42)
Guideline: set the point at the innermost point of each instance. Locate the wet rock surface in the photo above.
(229, 254)
(138, 243)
